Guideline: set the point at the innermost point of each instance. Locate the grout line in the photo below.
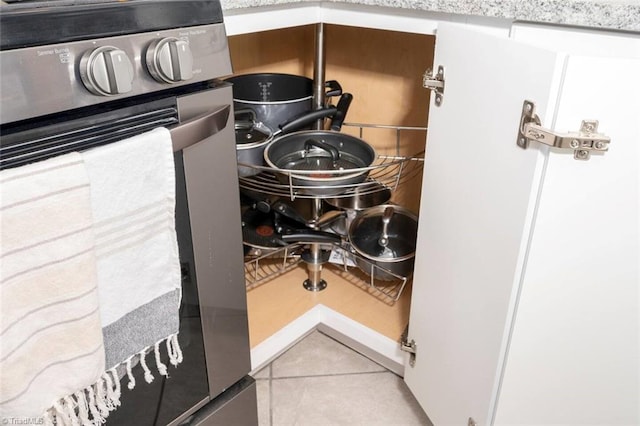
(357, 352)
(333, 375)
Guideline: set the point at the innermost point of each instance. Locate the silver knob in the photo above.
(170, 60)
(106, 71)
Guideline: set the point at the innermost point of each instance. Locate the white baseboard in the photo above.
(370, 343)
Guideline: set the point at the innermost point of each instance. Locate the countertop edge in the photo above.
(600, 14)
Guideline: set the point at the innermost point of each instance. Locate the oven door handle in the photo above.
(199, 128)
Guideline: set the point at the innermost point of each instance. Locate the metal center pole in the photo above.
(318, 74)
(315, 257)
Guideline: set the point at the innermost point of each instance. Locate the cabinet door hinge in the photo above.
(407, 346)
(583, 142)
(434, 81)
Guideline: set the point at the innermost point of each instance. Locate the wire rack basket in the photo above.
(260, 268)
(388, 289)
(386, 172)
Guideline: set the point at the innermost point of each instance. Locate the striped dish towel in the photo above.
(139, 281)
(51, 342)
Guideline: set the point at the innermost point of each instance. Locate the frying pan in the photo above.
(324, 162)
(266, 232)
(369, 194)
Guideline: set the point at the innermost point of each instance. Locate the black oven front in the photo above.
(50, 106)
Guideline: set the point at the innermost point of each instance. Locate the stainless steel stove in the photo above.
(79, 74)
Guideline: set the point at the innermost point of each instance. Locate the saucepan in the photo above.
(252, 136)
(277, 98)
(384, 237)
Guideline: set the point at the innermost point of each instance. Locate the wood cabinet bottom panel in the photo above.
(282, 300)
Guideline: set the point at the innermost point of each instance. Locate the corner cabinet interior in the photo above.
(383, 71)
(524, 306)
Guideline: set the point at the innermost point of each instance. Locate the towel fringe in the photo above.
(148, 377)
(70, 410)
(173, 349)
(91, 406)
(83, 407)
(132, 380)
(116, 387)
(57, 413)
(176, 345)
(101, 400)
(162, 368)
(112, 401)
(172, 357)
(47, 417)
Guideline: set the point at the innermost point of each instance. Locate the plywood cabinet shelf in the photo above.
(283, 300)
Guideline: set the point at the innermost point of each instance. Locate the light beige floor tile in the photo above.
(354, 399)
(263, 373)
(264, 402)
(317, 355)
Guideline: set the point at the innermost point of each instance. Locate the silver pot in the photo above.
(384, 237)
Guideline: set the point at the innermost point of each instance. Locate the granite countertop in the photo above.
(612, 14)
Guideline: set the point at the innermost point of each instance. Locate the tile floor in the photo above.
(321, 382)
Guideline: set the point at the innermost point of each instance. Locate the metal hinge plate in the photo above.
(583, 142)
(407, 346)
(435, 83)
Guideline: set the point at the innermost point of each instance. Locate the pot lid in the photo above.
(395, 242)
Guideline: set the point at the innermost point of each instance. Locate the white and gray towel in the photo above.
(133, 203)
(90, 278)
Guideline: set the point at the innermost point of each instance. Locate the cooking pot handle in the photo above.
(245, 119)
(341, 113)
(332, 150)
(311, 237)
(306, 118)
(334, 88)
(245, 111)
(386, 218)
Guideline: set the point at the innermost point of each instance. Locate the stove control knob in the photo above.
(169, 60)
(106, 71)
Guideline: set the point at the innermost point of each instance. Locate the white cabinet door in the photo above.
(479, 197)
(574, 357)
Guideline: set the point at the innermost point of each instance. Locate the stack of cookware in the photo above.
(274, 114)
